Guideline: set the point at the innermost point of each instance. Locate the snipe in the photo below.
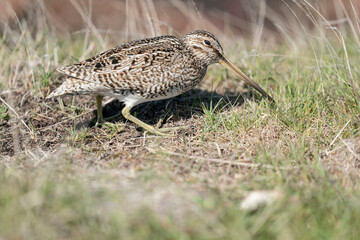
(147, 70)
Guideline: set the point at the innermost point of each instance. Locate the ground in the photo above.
(63, 177)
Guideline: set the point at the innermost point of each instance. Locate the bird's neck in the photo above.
(195, 58)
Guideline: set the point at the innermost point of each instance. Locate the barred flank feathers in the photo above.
(76, 86)
(75, 71)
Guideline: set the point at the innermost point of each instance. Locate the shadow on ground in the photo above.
(52, 125)
(180, 107)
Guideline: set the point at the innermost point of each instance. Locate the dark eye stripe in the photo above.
(207, 42)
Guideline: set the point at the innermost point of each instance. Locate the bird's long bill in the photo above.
(225, 62)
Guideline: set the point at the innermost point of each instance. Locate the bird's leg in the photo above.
(100, 118)
(126, 113)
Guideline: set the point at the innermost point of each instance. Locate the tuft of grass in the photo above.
(4, 113)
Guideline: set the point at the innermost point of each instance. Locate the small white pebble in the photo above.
(256, 199)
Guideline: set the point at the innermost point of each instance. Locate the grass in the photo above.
(64, 178)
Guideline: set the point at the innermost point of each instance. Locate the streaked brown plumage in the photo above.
(147, 70)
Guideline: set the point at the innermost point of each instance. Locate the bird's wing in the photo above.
(118, 67)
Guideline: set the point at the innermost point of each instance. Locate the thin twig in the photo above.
(350, 149)
(337, 136)
(223, 161)
(17, 115)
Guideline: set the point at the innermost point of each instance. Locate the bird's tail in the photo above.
(74, 86)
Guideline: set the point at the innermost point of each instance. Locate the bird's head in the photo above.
(206, 49)
(204, 46)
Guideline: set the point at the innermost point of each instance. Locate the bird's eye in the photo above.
(207, 42)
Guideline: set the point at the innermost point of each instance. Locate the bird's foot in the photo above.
(99, 122)
(171, 129)
(114, 127)
(110, 126)
(112, 117)
(165, 131)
